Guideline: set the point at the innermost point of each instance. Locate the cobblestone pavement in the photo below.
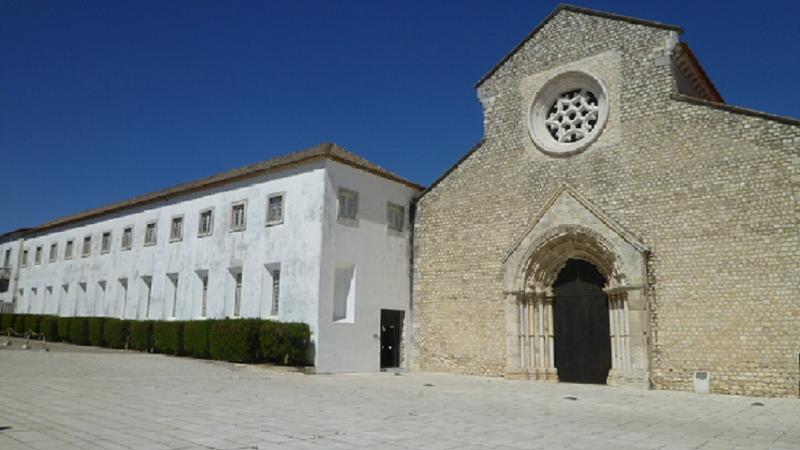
(78, 397)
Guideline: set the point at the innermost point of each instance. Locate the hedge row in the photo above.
(235, 340)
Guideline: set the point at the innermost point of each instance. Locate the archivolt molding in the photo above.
(550, 252)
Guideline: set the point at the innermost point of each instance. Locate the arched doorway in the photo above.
(581, 324)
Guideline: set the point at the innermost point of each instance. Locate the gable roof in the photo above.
(579, 10)
(326, 150)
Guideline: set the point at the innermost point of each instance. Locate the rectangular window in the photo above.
(275, 209)
(173, 286)
(7, 259)
(100, 299)
(395, 216)
(87, 246)
(344, 294)
(127, 238)
(150, 234)
(176, 229)
(38, 256)
(148, 283)
(105, 242)
(237, 294)
(122, 297)
(204, 295)
(348, 204)
(53, 252)
(276, 291)
(206, 225)
(238, 219)
(24, 258)
(69, 249)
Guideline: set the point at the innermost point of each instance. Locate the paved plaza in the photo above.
(87, 398)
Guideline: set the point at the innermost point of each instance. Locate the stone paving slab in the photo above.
(86, 398)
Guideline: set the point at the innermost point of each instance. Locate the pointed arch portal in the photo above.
(576, 306)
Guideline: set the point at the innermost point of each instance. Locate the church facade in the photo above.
(618, 223)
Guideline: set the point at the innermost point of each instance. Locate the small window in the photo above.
(7, 259)
(276, 291)
(127, 238)
(237, 293)
(176, 229)
(53, 252)
(150, 231)
(203, 293)
(105, 243)
(238, 219)
(206, 225)
(69, 249)
(395, 216)
(275, 209)
(38, 256)
(344, 294)
(348, 204)
(87, 246)
(24, 262)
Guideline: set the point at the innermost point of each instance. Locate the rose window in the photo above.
(572, 116)
(568, 114)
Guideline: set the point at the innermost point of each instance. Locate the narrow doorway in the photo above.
(391, 329)
(581, 327)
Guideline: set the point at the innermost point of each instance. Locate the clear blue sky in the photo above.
(104, 100)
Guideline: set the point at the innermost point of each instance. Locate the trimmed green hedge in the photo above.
(195, 338)
(284, 343)
(235, 340)
(63, 328)
(19, 323)
(115, 332)
(168, 337)
(6, 322)
(141, 336)
(79, 330)
(96, 337)
(49, 328)
(32, 323)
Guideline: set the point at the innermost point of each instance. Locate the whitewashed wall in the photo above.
(381, 259)
(308, 246)
(295, 245)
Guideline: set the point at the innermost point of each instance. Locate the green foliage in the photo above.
(64, 324)
(195, 338)
(115, 332)
(6, 322)
(235, 340)
(96, 337)
(284, 342)
(49, 328)
(19, 323)
(32, 322)
(141, 335)
(79, 330)
(168, 337)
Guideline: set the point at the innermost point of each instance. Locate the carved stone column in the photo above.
(516, 336)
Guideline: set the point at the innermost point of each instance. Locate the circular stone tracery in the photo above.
(568, 113)
(573, 116)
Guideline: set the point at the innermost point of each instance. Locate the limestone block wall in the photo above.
(712, 193)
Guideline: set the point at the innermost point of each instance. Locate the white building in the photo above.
(319, 236)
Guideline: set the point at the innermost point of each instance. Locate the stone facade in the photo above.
(688, 206)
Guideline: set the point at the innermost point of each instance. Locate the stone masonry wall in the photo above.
(714, 194)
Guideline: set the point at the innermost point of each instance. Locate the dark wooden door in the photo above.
(581, 329)
(391, 327)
